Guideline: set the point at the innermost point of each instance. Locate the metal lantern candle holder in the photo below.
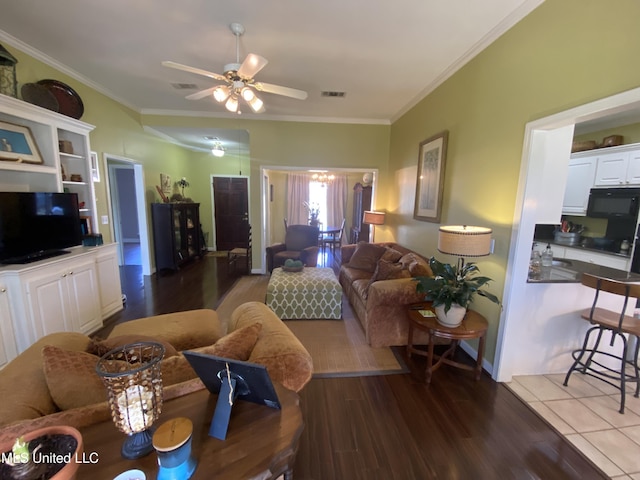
(132, 377)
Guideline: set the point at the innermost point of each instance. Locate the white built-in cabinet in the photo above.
(580, 179)
(108, 271)
(74, 292)
(7, 337)
(48, 129)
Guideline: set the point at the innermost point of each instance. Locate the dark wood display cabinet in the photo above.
(361, 202)
(176, 234)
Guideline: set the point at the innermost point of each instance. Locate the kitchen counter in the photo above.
(579, 246)
(570, 271)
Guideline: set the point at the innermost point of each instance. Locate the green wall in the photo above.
(120, 131)
(283, 144)
(630, 134)
(560, 56)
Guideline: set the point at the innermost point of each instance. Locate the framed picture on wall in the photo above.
(17, 144)
(95, 171)
(165, 183)
(430, 178)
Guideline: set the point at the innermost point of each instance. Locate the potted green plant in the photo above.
(452, 288)
(48, 453)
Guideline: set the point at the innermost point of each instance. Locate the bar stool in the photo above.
(589, 359)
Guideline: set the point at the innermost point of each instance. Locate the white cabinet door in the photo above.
(8, 349)
(633, 170)
(64, 298)
(612, 169)
(82, 288)
(580, 180)
(48, 302)
(109, 281)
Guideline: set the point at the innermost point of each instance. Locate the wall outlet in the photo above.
(105, 220)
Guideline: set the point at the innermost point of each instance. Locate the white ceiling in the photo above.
(384, 55)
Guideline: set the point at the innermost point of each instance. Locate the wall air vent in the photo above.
(184, 86)
(333, 94)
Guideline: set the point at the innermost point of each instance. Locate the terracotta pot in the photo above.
(453, 317)
(70, 470)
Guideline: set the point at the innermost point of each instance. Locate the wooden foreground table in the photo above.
(261, 442)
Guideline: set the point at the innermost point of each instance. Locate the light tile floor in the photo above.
(586, 413)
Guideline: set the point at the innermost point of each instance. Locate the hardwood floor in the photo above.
(390, 426)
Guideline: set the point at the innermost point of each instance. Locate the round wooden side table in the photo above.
(473, 325)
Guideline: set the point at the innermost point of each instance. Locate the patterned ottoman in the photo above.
(313, 293)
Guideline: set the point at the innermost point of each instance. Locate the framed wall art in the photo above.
(430, 179)
(95, 171)
(165, 183)
(17, 144)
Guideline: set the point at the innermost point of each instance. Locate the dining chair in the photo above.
(613, 367)
(243, 252)
(333, 240)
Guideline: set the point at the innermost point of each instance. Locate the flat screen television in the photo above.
(37, 225)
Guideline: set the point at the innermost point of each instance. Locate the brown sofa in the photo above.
(28, 403)
(377, 278)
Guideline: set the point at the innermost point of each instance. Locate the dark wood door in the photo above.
(231, 200)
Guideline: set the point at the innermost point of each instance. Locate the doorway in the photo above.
(230, 210)
(127, 208)
(541, 179)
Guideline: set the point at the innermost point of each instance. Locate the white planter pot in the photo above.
(453, 317)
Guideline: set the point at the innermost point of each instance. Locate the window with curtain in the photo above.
(330, 198)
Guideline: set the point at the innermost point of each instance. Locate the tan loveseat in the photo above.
(28, 403)
(378, 281)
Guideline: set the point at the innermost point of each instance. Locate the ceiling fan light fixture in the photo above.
(256, 104)
(232, 104)
(221, 93)
(248, 94)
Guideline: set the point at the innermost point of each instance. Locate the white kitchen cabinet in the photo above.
(68, 293)
(109, 281)
(618, 169)
(580, 180)
(7, 339)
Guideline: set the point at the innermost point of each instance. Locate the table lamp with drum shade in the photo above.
(464, 241)
(373, 218)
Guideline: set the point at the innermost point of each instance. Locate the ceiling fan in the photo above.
(239, 81)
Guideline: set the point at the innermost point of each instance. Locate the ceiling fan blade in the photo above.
(197, 71)
(201, 93)
(279, 90)
(252, 65)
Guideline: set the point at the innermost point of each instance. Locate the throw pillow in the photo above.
(388, 271)
(99, 347)
(366, 256)
(237, 345)
(391, 255)
(71, 377)
(420, 268)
